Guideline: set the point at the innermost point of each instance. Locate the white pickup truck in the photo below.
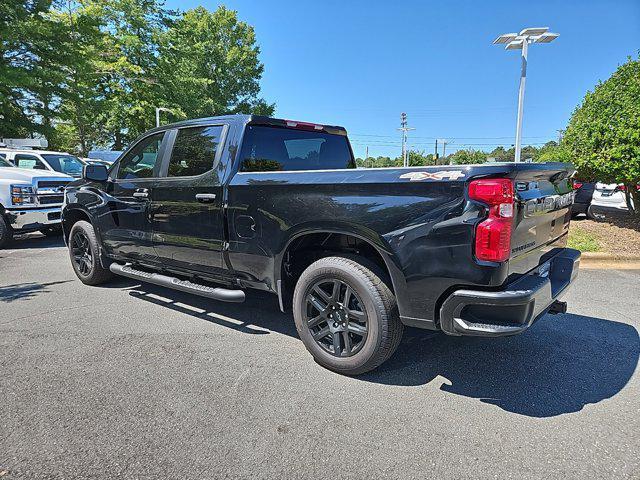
(30, 200)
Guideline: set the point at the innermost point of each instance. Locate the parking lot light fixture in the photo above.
(158, 110)
(521, 41)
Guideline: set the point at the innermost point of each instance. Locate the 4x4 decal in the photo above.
(441, 175)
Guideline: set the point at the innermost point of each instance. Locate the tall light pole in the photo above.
(404, 129)
(158, 110)
(520, 41)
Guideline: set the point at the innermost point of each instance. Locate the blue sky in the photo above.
(361, 63)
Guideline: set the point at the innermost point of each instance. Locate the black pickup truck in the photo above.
(217, 206)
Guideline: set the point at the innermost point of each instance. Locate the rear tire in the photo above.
(6, 234)
(590, 213)
(354, 330)
(85, 255)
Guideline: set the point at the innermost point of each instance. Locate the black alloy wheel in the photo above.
(81, 252)
(336, 318)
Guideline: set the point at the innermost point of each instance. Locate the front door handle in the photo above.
(141, 193)
(205, 197)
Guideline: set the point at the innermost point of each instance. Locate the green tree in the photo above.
(27, 52)
(467, 157)
(208, 65)
(603, 135)
(553, 152)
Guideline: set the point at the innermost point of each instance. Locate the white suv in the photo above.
(44, 160)
(30, 200)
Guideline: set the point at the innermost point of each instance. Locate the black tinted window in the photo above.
(141, 160)
(194, 151)
(272, 148)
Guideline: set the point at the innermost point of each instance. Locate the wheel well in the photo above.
(305, 250)
(70, 218)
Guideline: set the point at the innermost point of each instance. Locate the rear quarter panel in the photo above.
(422, 228)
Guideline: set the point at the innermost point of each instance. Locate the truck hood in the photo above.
(23, 174)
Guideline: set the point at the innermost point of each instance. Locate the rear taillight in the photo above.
(493, 235)
(577, 185)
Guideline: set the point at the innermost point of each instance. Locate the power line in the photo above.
(398, 144)
(434, 138)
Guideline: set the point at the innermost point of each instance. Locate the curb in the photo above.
(609, 261)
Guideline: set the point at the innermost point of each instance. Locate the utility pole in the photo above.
(404, 129)
(444, 148)
(435, 158)
(366, 156)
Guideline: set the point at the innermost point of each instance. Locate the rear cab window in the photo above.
(270, 148)
(194, 151)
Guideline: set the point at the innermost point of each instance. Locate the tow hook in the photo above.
(558, 307)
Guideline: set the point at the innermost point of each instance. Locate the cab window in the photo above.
(194, 151)
(283, 149)
(30, 162)
(141, 161)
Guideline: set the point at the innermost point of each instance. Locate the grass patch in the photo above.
(583, 241)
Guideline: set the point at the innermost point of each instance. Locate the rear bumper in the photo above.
(514, 309)
(33, 219)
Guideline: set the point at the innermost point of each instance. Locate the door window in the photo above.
(140, 162)
(30, 162)
(194, 151)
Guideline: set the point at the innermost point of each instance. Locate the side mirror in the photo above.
(95, 173)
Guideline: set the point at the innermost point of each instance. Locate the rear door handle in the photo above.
(205, 197)
(141, 193)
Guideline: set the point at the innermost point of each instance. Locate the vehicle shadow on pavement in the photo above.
(562, 364)
(34, 241)
(258, 315)
(23, 291)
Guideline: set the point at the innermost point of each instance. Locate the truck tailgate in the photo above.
(542, 215)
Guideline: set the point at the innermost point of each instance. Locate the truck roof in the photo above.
(252, 119)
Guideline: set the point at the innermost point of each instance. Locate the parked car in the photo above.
(609, 197)
(45, 160)
(582, 200)
(220, 205)
(30, 200)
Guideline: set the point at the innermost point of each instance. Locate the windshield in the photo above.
(65, 164)
(4, 163)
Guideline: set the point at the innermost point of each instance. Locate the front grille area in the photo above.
(52, 183)
(50, 199)
(51, 192)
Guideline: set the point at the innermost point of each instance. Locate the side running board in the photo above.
(216, 293)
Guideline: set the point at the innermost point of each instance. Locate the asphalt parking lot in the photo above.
(136, 381)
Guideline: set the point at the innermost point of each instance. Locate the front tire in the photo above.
(346, 315)
(85, 255)
(6, 234)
